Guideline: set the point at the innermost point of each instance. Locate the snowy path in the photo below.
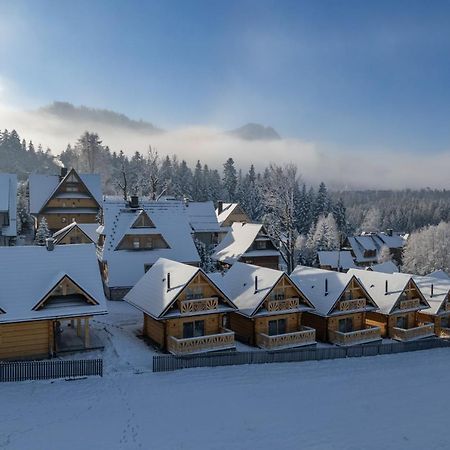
(390, 402)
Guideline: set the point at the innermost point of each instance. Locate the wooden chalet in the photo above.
(135, 234)
(185, 312)
(228, 213)
(8, 209)
(400, 301)
(341, 306)
(247, 243)
(436, 291)
(270, 307)
(48, 297)
(70, 197)
(77, 233)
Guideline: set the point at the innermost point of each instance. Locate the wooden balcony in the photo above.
(282, 305)
(368, 334)
(410, 304)
(444, 333)
(305, 336)
(350, 305)
(198, 305)
(411, 334)
(209, 343)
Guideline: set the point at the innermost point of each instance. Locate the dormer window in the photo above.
(261, 245)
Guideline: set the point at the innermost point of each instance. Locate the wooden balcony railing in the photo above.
(410, 334)
(368, 334)
(410, 304)
(444, 333)
(198, 305)
(282, 305)
(349, 305)
(220, 341)
(305, 336)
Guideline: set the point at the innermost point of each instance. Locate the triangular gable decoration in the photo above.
(143, 221)
(65, 293)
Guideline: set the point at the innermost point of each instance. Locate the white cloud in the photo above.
(343, 169)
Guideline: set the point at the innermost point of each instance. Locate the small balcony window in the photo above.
(277, 327)
(193, 329)
(346, 325)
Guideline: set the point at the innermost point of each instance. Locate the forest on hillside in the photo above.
(152, 174)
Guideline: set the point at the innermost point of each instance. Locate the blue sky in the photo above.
(352, 74)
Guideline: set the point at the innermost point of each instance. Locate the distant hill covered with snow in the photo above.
(255, 132)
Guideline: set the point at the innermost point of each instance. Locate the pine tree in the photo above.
(321, 203)
(205, 252)
(42, 233)
(230, 180)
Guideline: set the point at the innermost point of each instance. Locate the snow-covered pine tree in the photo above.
(384, 254)
(24, 219)
(42, 233)
(205, 252)
(372, 221)
(321, 202)
(230, 179)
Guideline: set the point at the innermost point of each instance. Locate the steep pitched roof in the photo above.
(375, 284)
(386, 267)
(336, 259)
(439, 274)
(88, 229)
(435, 290)
(20, 294)
(312, 282)
(8, 202)
(227, 209)
(202, 217)
(239, 284)
(237, 243)
(374, 242)
(152, 295)
(125, 267)
(42, 187)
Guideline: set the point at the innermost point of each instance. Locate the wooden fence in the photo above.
(46, 370)
(166, 363)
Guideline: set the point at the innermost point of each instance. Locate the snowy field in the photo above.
(389, 402)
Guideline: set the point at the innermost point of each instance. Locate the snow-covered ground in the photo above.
(394, 402)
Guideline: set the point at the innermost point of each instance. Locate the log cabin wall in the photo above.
(213, 324)
(270, 262)
(238, 215)
(378, 320)
(57, 221)
(72, 203)
(243, 327)
(154, 329)
(26, 339)
(358, 320)
(317, 322)
(293, 322)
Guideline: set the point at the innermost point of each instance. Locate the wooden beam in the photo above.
(87, 340)
(79, 327)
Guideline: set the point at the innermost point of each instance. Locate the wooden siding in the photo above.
(157, 241)
(75, 236)
(57, 221)
(26, 339)
(271, 262)
(213, 324)
(387, 323)
(317, 322)
(243, 327)
(154, 330)
(238, 215)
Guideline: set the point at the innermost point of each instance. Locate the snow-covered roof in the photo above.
(152, 295)
(239, 284)
(238, 241)
(375, 285)
(311, 282)
(435, 291)
(439, 274)
(89, 229)
(336, 259)
(227, 209)
(42, 187)
(386, 267)
(202, 217)
(374, 242)
(125, 267)
(8, 202)
(29, 273)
